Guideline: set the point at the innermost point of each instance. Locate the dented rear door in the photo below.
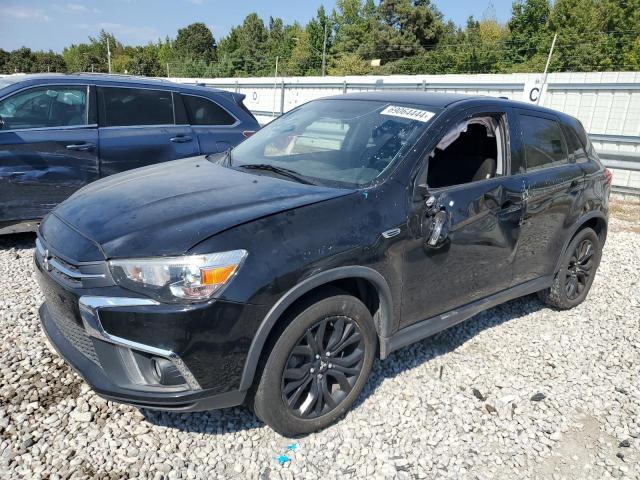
(41, 165)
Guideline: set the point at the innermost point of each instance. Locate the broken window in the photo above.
(472, 151)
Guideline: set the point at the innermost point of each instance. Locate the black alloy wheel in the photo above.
(317, 365)
(323, 367)
(579, 269)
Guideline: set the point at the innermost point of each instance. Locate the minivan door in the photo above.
(465, 221)
(553, 184)
(48, 149)
(139, 127)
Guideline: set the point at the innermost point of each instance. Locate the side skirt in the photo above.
(433, 325)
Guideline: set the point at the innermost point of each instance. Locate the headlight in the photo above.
(186, 278)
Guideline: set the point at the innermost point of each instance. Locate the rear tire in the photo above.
(577, 271)
(317, 367)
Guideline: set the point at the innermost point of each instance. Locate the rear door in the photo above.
(553, 186)
(141, 126)
(48, 149)
(215, 126)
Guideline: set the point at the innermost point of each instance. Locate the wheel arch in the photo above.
(383, 318)
(596, 220)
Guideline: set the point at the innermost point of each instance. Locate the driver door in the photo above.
(466, 227)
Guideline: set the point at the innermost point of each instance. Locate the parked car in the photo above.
(61, 132)
(274, 274)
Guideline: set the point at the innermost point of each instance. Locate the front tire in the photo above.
(577, 271)
(318, 366)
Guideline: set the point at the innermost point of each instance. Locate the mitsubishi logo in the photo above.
(323, 365)
(45, 261)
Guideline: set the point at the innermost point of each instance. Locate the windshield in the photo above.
(336, 142)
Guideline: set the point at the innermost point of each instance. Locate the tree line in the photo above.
(368, 37)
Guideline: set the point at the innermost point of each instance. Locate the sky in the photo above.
(52, 24)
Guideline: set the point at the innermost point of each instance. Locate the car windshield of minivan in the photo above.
(334, 142)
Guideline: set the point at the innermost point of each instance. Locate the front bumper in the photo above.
(112, 389)
(115, 342)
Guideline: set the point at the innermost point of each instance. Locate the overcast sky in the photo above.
(44, 25)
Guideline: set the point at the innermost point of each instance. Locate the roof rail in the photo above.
(141, 77)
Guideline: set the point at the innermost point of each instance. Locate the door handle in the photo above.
(81, 147)
(180, 139)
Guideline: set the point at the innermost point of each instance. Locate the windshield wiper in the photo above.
(285, 172)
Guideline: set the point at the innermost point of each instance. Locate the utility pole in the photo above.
(324, 48)
(275, 86)
(546, 68)
(168, 70)
(108, 54)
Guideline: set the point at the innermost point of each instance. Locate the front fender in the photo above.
(384, 318)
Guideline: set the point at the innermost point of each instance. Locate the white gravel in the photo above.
(520, 391)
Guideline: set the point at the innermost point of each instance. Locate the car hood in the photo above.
(168, 208)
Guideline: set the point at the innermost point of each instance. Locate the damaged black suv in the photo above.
(274, 274)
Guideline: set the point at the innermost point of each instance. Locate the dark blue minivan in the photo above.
(61, 132)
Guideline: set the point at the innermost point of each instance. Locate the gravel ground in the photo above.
(518, 391)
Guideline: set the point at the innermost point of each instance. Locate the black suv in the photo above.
(274, 274)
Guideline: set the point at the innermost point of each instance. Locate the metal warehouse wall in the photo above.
(608, 104)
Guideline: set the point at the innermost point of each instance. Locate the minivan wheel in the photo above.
(577, 271)
(317, 367)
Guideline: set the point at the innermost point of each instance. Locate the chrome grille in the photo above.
(72, 275)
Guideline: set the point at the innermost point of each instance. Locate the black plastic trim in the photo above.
(433, 325)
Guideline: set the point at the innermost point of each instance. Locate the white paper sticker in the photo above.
(410, 113)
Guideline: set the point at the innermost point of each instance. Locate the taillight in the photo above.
(248, 133)
(608, 175)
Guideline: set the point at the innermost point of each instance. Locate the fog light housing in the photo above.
(166, 372)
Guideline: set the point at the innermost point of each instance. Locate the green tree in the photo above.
(315, 33)
(579, 45)
(196, 41)
(4, 58)
(530, 37)
(92, 56)
(20, 61)
(406, 28)
(348, 64)
(48, 62)
(619, 20)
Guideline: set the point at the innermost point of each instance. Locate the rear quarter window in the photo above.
(575, 146)
(203, 111)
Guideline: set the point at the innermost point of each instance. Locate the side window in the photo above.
(577, 152)
(325, 135)
(120, 107)
(543, 143)
(42, 107)
(203, 111)
(472, 151)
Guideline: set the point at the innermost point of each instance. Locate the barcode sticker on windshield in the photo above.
(410, 113)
